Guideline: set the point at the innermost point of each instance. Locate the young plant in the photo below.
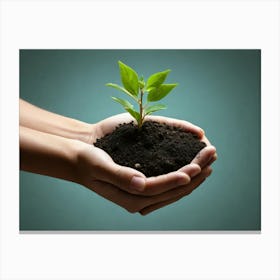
(136, 88)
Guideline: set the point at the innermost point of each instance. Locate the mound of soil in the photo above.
(154, 149)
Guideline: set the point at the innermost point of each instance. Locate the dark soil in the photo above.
(154, 149)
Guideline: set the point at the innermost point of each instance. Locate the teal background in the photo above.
(219, 90)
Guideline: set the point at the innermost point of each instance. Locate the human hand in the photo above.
(128, 187)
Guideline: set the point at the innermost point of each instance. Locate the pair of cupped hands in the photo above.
(130, 188)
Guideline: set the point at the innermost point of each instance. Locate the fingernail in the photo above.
(138, 183)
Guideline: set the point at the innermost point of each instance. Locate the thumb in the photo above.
(126, 178)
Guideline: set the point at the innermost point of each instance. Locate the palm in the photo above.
(108, 125)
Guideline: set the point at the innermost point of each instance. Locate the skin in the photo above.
(61, 147)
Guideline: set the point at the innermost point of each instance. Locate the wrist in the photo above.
(82, 131)
(41, 120)
(49, 154)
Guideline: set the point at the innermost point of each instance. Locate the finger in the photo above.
(214, 158)
(163, 183)
(205, 140)
(134, 182)
(127, 179)
(187, 126)
(159, 205)
(106, 170)
(170, 197)
(204, 156)
(174, 193)
(132, 203)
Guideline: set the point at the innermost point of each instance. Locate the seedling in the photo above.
(136, 88)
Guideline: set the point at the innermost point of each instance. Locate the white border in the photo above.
(139, 24)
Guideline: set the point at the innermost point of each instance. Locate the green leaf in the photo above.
(154, 108)
(121, 89)
(129, 79)
(160, 92)
(157, 79)
(134, 114)
(128, 107)
(124, 103)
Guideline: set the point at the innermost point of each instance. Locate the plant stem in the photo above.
(141, 108)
